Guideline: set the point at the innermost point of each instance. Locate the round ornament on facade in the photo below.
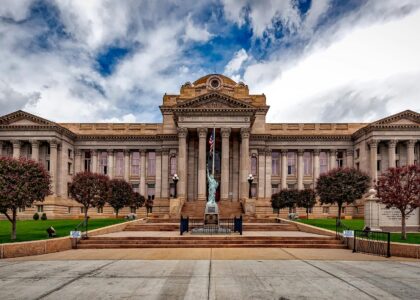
(214, 83)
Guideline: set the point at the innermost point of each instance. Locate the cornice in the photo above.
(384, 127)
(35, 127)
(259, 137)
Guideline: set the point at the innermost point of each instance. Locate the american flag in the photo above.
(211, 143)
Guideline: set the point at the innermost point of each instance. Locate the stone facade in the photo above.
(279, 155)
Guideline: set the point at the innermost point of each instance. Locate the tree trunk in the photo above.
(403, 231)
(13, 237)
(86, 220)
(339, 213)
(116, 213)
(307, 213)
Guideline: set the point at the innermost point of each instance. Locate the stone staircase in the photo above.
(231, 241)
(227, 209)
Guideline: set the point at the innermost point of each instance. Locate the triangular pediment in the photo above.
(22, 118)
(215, 101)
(407, 117)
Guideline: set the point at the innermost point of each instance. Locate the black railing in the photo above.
(81, 225)
(225, 226)
(375, 242)
(339, 228)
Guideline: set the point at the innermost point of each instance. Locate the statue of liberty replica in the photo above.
(211, 214)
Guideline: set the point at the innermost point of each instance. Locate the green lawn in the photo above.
(36, 230)
(412, 238)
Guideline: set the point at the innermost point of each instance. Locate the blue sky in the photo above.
(112, 61)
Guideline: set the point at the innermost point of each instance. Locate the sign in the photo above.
(75, 234)
(348, 233)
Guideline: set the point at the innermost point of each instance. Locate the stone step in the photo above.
(211, 245)
(246, 227)
(185, 242)
(214, 238)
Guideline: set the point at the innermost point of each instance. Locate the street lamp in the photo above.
(175, 178)
(250, 180)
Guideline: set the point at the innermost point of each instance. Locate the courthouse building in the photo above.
(278, 155)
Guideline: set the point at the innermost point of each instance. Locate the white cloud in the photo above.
(378, 61)
(16, 10)
(196, 33)
(235, 64)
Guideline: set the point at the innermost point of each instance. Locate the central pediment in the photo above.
(214, 101)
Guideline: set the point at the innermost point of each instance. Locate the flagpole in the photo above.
(214, 146)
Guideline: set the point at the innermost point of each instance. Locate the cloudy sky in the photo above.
(112, 60)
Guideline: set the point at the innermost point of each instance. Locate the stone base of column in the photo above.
(201, 198)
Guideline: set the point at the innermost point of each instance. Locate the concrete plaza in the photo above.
(209, 274)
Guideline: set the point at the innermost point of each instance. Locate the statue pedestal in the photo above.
(211, 214)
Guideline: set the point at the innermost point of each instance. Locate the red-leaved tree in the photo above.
(342, 186)
(307, 199)
(400, 188)
(137, 200)
(120, 194)
(22, 182)
(89, 189)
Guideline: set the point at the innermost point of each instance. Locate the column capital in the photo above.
(182, 132)
(53, 143)
(142, 152)
(225, 132)
(392, 143)
(283, 152)
(333, 151)
(110, 151)
(126, 152)
(349, 152)
(268, 151)
(300, 152)
(16, 143)
(165, 151)
(158, 151)
(261, 150)
(34, 143)
(78, 152)
(316, 151)
(94, 151)
(245, 132)
(411, 143)
(202, 132)
(373, 143)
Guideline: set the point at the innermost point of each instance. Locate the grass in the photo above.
(357, 224)
(30, 230)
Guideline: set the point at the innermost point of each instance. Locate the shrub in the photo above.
(36, 216)
(44, 217)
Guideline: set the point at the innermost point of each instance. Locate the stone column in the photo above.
(284, 169)
(35, 150)
(110, 163)
(165, 174)
(77, 161)
(158, 174)
(127, 165)
(235, 168)
(316, 165)
(142, 187)
(94, 158)
(53, 166)
(224, 188)
(16, 148)
(202, 136)
(349, 158)
(244, 163)
(373, 159)
(261, 173)
(268, 171)
(410, 152)
(1, 148)
(300, 169)
(333, 159)
(391, 153)
(182, 163)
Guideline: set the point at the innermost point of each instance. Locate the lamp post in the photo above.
(175, 178)
(250, 180)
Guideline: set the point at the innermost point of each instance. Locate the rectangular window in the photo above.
(151, 163)
(323, 162)
(325, 210)
(291, 186)
(357, 166)
(310, 210)
(292, 210)
(135, 187)
(100, 210)
(119, 164)
(69, 210)
(343, 210)
(340, 159)
(48, 165)
(133, 210)
(69, 153)
(291, 163)
(307, 164)
(40, 208)
(357, 153)
(82, 210)
(103, 162)
(69, 169)
(135, 163)
(356, 209)
(21, 209)
(173, 165)
(307, 186)
(87, 161)
(274, 188)
(275, 163)
(68, 189)
(254, 165)
(378, 165)
(397, 163)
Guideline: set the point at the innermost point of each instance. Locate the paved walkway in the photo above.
(210, 279)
